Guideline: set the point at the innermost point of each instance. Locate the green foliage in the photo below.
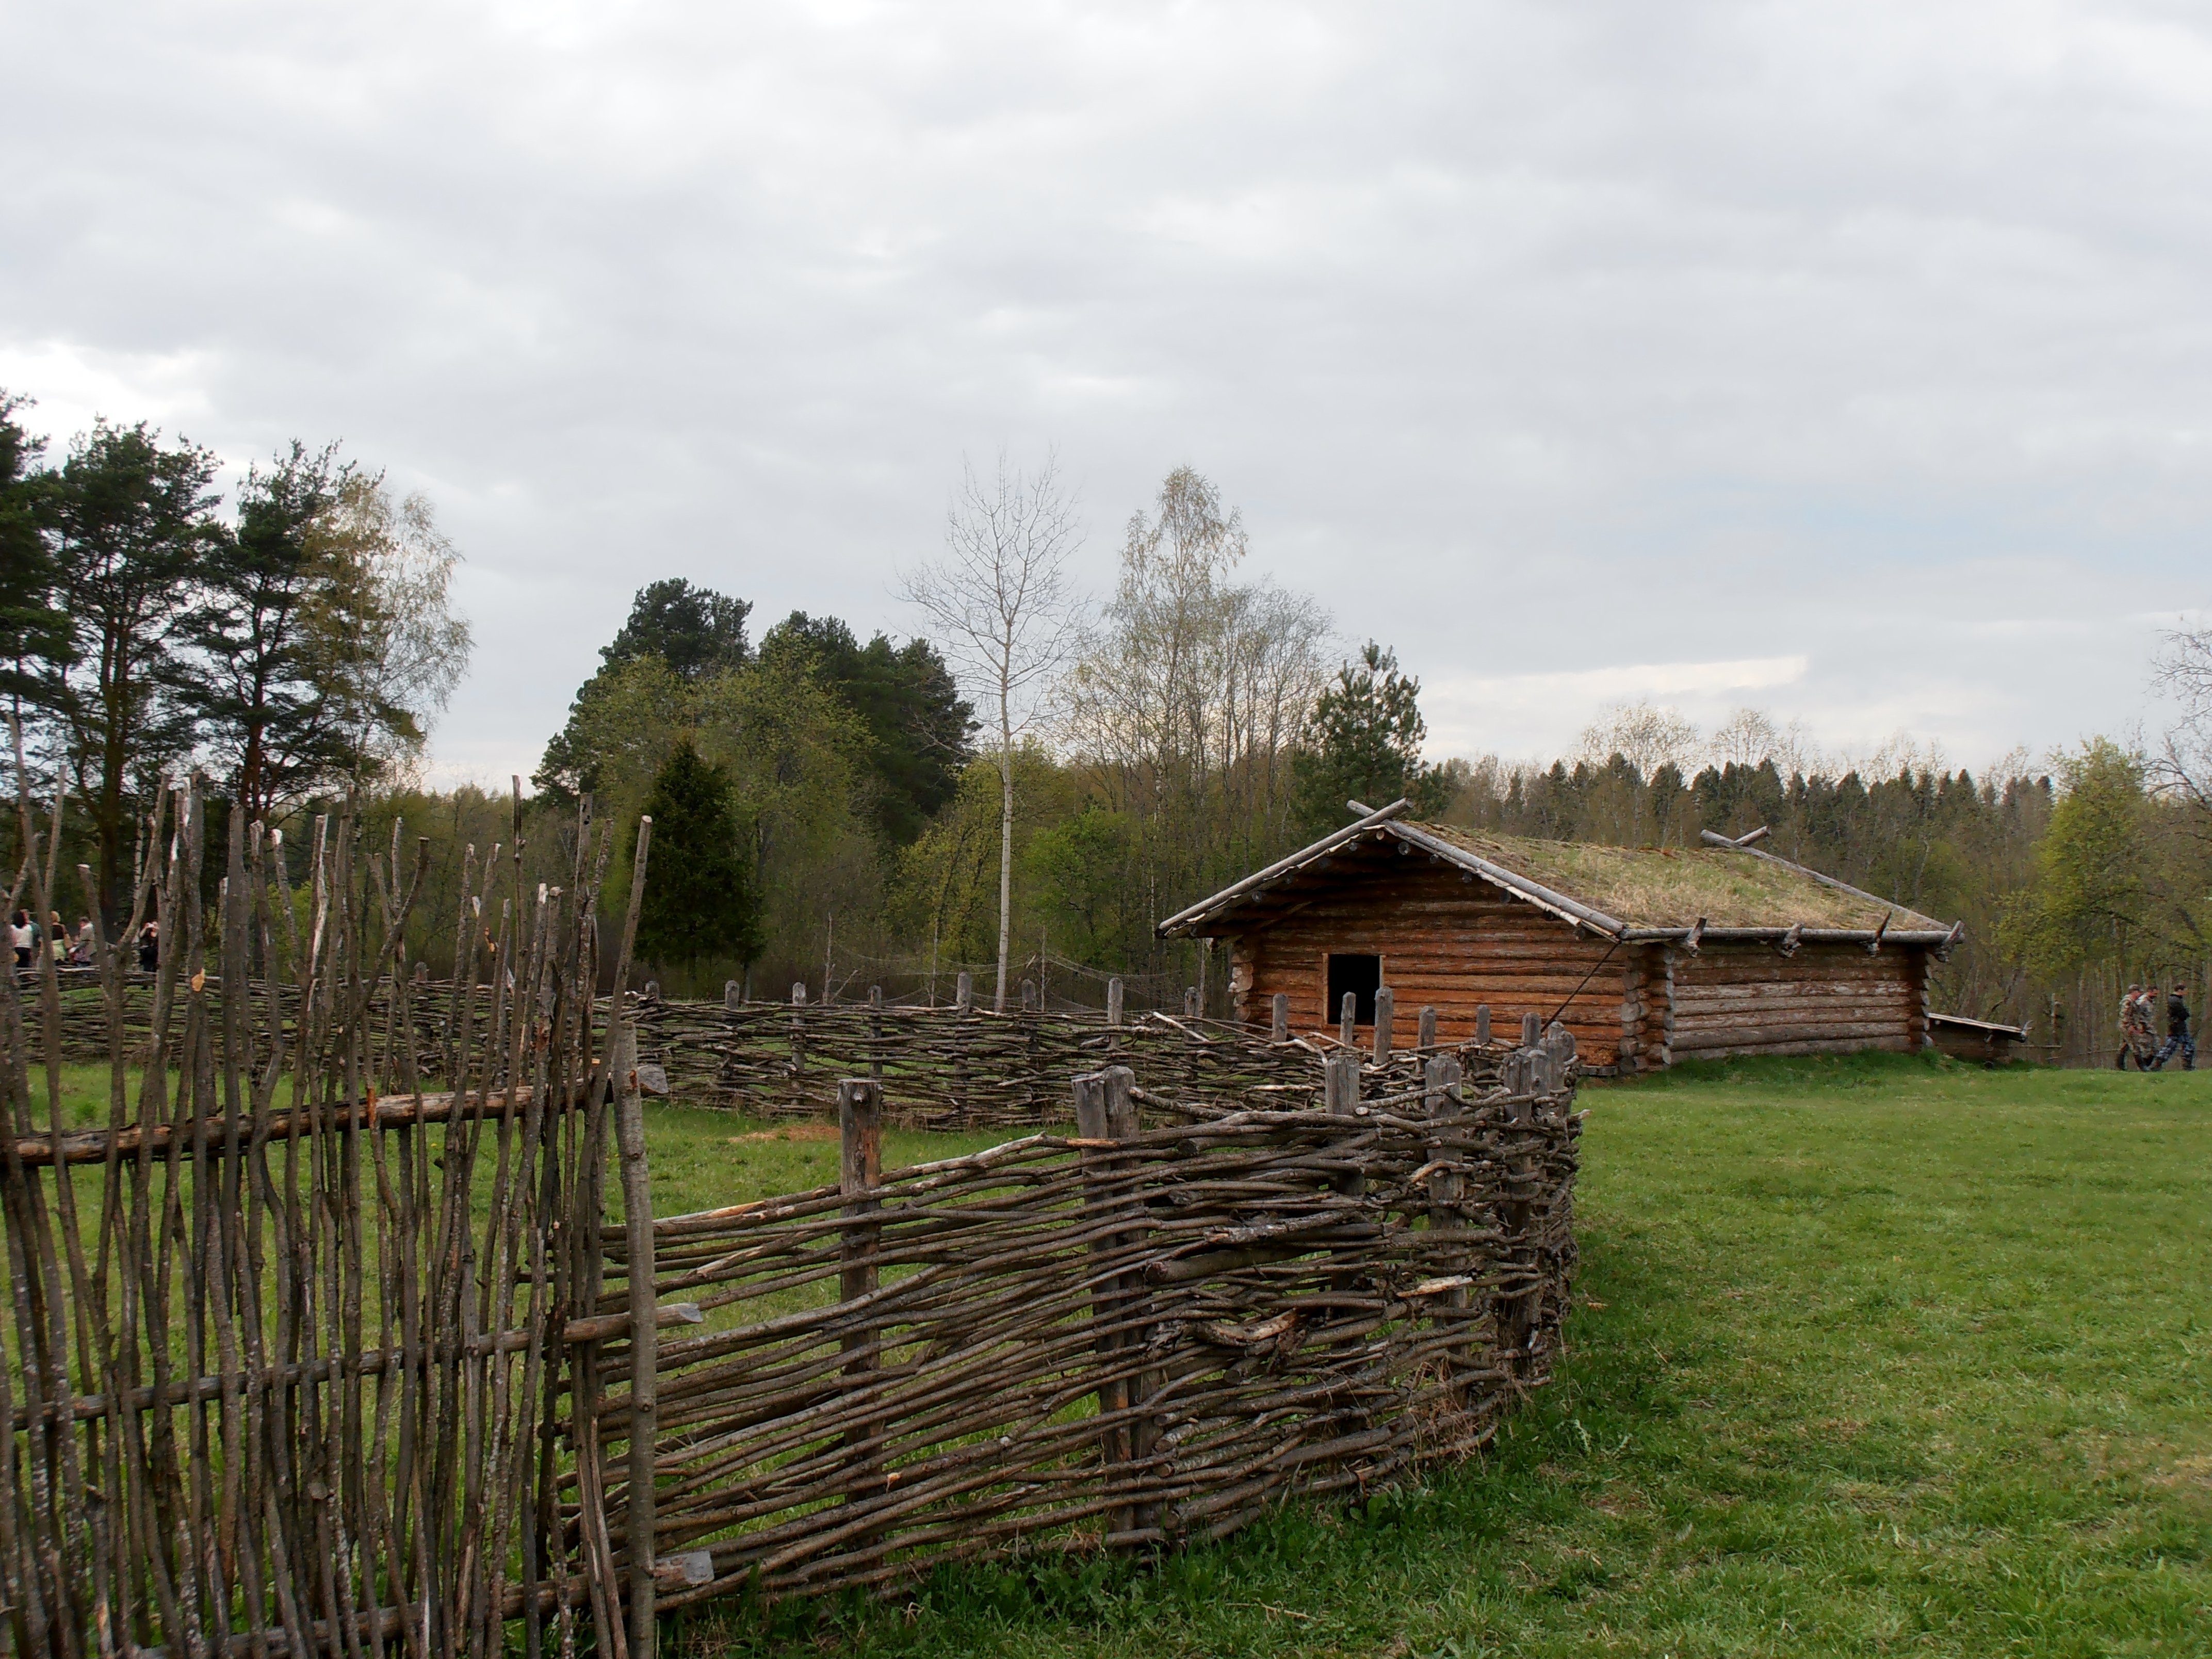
(694, 630)
(700, 902)
(2092, 872)
(129, 520)
(943, 890)
(1364, 744)
(920, 730)
(1079, 873)
(35, 638)
(258, 679)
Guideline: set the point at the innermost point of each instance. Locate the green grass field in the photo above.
(1873, 1357)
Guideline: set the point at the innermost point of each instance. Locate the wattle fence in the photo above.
(308, 1357)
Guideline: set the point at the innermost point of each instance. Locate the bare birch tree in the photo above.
(1189, 697)
(1003, 606)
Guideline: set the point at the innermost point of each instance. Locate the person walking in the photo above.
(2177, 1032)
(2137, 1042)
(22, 937)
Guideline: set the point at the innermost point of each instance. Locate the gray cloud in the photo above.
(1553, 344)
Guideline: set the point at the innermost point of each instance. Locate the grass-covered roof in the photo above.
(1675, 886)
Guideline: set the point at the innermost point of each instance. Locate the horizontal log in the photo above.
(1749, 1037)
(384, 1112)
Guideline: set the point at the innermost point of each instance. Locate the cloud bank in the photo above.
(1583, 354)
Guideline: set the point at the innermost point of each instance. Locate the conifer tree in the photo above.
(700, 900)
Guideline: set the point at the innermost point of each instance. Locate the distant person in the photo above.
(2138, 1041)
(22, 937)
(81, 953)
(2177, 1032)
(57, 937)
(149, 946)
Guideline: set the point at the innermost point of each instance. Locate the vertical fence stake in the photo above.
(1482, 1025)
(1280, 1005)
(1427, 1039)
(876, 1034)
(1114, 1001)
(1386, 1015)
(1447, 1188)
(644, 1338)
(1348, 1020)
(1144, 1431)
(859, 1172)
(1093, 1121)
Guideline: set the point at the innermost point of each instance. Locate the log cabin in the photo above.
(1648, 955)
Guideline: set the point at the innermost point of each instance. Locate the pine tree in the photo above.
(1364, 744)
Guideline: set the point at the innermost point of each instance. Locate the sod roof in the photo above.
(1673, 887)
(1619, 891)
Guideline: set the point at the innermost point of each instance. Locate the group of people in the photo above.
(2139, 1024)
(29, 938)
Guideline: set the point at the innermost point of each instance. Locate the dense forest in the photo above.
(1032, 782)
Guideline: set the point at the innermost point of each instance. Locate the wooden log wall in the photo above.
(1133, 1338)
(1447, 941)
(1732, 998)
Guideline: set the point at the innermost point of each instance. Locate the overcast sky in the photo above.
(1853, 362)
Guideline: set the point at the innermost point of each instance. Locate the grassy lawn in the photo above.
(1877, 1356)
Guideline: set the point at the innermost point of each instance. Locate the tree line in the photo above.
(1023, 791)
(293, 647)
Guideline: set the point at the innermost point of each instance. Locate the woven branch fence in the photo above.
(1132, 1336)
(306, 1358)
(955, 1068)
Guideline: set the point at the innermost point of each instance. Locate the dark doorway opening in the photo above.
(1362, 976)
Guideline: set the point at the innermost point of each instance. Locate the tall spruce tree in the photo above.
(700, 904)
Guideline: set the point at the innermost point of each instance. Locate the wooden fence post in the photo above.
(1093, 1121)
(859, 1172)
(798, 1047)
(1531, 1029)
(876, 1035)
(733, 996)
(1279, 1007)
(644, 1336)
(1114, 1001)
(1347, 1019)
(1427, 1037)
(1190, 1002)
(1386, 1014)
(1144, 1431)
(1482, 1025)
(1340, 1098)
(1447, 1187)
